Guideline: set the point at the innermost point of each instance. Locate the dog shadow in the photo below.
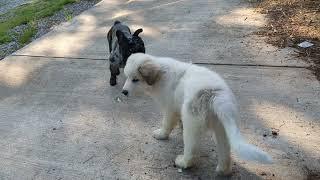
(204, 167)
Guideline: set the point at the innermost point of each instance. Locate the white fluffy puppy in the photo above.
(197, 96)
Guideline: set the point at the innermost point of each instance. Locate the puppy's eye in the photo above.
(135, 80)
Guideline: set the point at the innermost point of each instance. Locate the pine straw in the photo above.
(291, 22)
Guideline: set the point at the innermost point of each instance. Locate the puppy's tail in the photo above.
(116, 22)
(227, 114)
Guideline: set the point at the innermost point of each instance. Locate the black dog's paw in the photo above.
(113, 81)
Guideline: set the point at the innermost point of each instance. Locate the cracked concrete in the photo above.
(60, 120)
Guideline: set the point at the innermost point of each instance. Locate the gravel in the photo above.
(70, 10)
(17, 30)
(7, 5)
(44, 25)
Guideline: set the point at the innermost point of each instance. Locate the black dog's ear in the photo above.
(137, 32)
(116, 22)
(119, 35)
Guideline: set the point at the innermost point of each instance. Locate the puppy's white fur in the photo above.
(197, 96)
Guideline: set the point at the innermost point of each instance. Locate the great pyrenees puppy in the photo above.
(198, 97)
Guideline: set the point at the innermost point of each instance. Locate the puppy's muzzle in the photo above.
(125, 92)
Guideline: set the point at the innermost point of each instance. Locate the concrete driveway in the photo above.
(59, 118)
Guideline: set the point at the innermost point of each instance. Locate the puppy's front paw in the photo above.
(223, 171)
(160, 134)
(182, 163)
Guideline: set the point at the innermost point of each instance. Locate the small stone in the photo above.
(180, 170)
(263, 174)
(305, 44)
(54, 128)
(274, 133)
(119, 99)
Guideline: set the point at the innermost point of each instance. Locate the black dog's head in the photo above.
(129, 45)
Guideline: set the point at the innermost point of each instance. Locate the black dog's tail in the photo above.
(116, 22)
(137, 32)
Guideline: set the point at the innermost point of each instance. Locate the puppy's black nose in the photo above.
(125, 92)
(111, 59)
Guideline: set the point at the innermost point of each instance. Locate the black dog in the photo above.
(121, 45)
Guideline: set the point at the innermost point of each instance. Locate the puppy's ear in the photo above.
(150, 72)
(137, 32)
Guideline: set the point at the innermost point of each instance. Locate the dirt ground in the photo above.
(291, 22)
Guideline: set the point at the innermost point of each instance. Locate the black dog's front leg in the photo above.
(113, 80)
(114, 73)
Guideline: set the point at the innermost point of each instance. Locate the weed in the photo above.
(68, 15)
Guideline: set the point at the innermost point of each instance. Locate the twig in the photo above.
(282, 124)
(150, 167)
(88, 159)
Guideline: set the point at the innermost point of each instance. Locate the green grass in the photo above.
(27, 34)
(26, 14)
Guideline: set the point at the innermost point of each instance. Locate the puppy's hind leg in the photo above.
(192, 130)
(223, 146)
(170, 119)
